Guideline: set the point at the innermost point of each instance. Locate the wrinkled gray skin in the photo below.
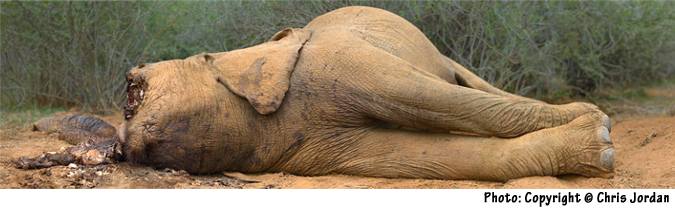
(95, 141)
(357, 91)
(74, 128)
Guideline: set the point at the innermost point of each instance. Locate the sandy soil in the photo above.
(644, 150)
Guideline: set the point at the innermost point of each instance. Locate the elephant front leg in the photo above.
(406, 96)
(581, 147)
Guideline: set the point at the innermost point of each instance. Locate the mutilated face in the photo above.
(195, 114)
(179, 115)
(167, 108)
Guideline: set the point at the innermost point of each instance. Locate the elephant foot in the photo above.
(575, 110)
(588, 147)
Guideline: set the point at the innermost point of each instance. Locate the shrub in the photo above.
(76, 53)
(70, 53)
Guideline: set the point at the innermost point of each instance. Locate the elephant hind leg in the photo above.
(468, 79)
(581, 147)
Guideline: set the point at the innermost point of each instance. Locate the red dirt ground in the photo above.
(644, 150)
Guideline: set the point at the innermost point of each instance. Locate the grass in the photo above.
(648, 100)
(659, 90)
(24, 117)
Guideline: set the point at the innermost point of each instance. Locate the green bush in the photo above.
(63, 54)
(75, 53)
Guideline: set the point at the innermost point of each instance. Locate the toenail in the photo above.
(608, 123)
(604, 134)
(607, 158)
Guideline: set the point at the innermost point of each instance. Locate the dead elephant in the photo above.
(357, 91)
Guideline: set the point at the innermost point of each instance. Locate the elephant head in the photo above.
(201, 98)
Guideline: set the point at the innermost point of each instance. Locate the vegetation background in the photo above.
(75, 54)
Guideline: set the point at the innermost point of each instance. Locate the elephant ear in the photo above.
(262, 73)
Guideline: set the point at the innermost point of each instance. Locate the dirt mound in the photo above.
(644, 150)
